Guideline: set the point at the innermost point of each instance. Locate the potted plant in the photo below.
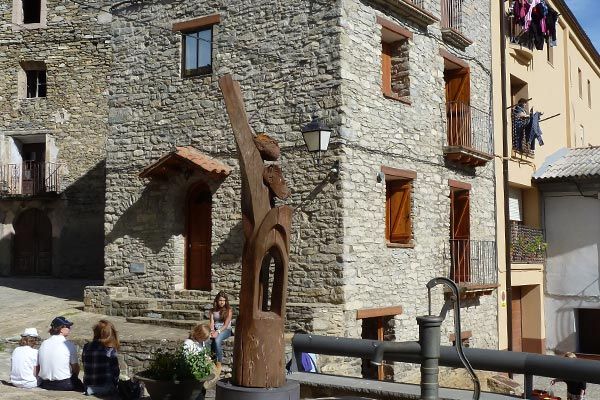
(178, 375)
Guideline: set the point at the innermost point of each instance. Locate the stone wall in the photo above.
(378, 131)
(74, 45)
(286, 65)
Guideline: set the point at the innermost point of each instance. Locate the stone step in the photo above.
(182, 315)
(173, 323)
(183, 304)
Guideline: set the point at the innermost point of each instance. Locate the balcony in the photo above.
(469, 135)
(527, 244)
(412, 10)
(473, 265)
(519, 41)
(452, 24)
(29, 179)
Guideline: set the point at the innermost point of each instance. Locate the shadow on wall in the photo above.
(69, 289)
(81, 242)
(150, 219)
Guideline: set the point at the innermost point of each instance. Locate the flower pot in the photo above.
(174, 390)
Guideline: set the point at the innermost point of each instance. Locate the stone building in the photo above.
(405, 192)
(54, 64)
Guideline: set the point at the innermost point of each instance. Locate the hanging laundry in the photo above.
(535, 132)
(551, 20)
(520, 122)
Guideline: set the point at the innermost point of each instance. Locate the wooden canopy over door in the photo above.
(458, 112)
(198, 238)
(460, 231)
(32, 249)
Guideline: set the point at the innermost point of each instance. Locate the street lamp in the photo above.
(316, 136)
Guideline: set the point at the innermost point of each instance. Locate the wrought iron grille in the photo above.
(468, 127)
(472, 261)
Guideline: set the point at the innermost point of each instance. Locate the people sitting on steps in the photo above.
(24, 365)
(57, 356)
(220, 327)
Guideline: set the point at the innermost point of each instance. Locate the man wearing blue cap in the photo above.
(59, 366)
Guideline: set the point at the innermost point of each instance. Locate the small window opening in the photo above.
(197, 52)
(36, 83)
(32, 11)
(270, 282)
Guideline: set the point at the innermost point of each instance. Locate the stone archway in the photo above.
(32, 245)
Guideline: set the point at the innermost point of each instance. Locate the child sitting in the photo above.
(24, 361)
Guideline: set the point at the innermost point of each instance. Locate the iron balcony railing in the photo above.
(472, 262)
(29, 178)
(452, 15)
(418, 3)
(527, 244)
(468, 127)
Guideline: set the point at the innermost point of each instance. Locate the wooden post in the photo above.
(258, 358)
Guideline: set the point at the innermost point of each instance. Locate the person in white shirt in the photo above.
(24, 361)
(59, 366)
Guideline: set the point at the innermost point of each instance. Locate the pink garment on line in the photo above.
(528, 16)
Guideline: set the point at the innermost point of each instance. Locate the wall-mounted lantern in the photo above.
(316, 136)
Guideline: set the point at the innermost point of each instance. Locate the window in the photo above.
(196, 44)
(589, 90)
(579, 78)
(28, 14)
(398, 188)
(395, 66)
(32, 11)
(197, 52)
(549, 51)
(32, 80)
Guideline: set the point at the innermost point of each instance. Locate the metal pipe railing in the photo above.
(528, 364)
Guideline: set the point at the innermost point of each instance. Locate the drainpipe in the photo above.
(505, 154)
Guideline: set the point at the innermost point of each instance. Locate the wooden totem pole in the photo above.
(259, 344)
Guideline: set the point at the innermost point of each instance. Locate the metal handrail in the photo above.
(40, 178)
(528, 364)
(472, 261)
(468, 127)
(452, 14)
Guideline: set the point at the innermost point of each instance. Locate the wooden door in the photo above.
(517, 321)
(458, 112)
(199, 231)
(32, 244)
(588, 326)
(34, 156)
(460, 226)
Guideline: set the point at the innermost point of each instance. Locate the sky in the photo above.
(587, 13)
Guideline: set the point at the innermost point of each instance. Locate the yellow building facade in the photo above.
(562, 82)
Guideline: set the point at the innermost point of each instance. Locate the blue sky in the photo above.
(588, 15)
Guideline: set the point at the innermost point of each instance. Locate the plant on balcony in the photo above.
(529, 249)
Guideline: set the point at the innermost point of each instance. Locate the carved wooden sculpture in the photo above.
(259, 345)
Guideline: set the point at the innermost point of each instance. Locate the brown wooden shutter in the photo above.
(398, 211)
(386, 68)
(460, 214)
(458, 85)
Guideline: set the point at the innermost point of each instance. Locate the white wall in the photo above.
(572, 226)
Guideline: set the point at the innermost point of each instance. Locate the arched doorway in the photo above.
(32, 244)
(198, 238)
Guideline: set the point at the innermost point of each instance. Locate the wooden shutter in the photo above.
(398, 206)
(386, 68)
(458, 85)
(460, 214)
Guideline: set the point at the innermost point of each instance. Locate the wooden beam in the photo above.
(378, 312)
(196, 23)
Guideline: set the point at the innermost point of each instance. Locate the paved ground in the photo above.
(34, 302)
